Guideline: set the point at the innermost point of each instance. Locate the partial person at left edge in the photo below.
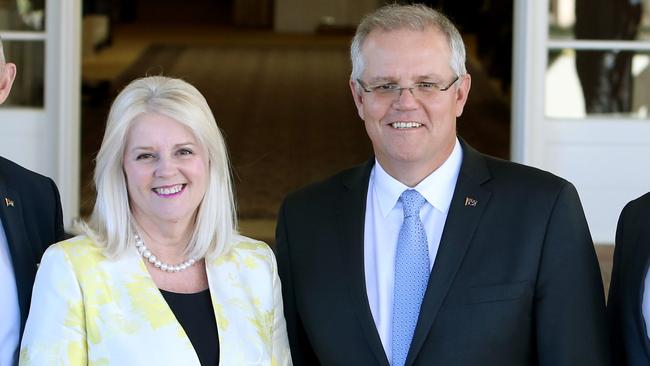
(30, 220)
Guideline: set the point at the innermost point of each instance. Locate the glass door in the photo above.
(40, 119)
(581, 99)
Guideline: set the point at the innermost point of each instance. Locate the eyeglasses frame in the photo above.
(366, 89)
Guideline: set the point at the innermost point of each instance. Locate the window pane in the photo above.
(599, 19)
(598, 83)
(28, 88)
(22, 15)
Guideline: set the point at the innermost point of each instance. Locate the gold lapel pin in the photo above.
(470, 202)
(9, 202)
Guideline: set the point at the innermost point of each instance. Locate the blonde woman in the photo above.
(160, 275)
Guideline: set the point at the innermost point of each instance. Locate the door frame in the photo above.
(601, 155)
(53, 131)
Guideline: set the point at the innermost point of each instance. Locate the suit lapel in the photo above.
(641, 329)
(22, 256)
(131, 271)
(641, 265)
(351, 214)
(467, 206)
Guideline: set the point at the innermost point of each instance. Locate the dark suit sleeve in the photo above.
(301, 351)
(569, 304)
(614, 310)
(59, 233)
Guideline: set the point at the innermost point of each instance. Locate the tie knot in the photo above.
(412, 202)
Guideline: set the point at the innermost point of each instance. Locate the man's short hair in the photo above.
(414, 17)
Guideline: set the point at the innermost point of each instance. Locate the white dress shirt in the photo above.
(9, 308)
(384, 217)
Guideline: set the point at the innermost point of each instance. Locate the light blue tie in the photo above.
(411, 275)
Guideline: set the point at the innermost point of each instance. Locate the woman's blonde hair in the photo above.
(111, 224)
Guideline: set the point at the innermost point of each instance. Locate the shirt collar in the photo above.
(437, 188)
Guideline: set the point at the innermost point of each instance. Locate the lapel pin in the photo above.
(470, 202)
(9, 202)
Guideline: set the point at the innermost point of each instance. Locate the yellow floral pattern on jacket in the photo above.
(91, 310)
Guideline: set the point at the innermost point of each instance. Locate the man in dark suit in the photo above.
(433, 253)
(628, 306)
(30, 220)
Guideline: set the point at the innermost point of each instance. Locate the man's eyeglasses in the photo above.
(390, 92)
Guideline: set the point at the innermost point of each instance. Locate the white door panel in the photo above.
(44, 137)
(605, 156)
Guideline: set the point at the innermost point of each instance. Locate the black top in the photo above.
(196, 315)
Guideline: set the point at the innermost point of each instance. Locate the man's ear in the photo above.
(6, 80)
(461, 94)
(357, 95)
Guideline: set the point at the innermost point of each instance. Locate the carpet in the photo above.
(286, 113)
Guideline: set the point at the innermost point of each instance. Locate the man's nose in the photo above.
(406, 98)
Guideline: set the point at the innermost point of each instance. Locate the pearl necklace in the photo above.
(146, 254)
